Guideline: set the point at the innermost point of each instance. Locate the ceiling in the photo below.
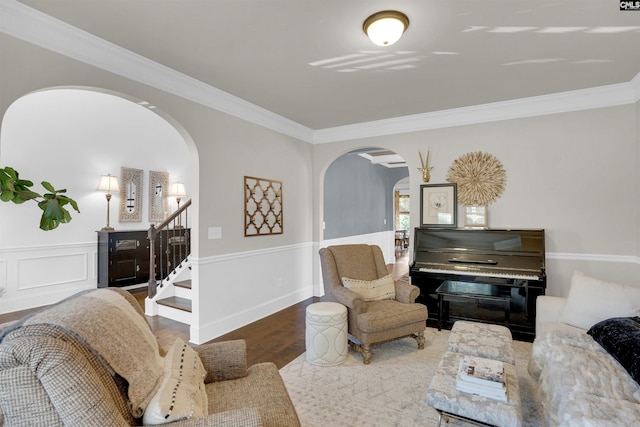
(309, 60)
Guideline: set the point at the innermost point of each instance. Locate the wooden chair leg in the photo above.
(366, 354)
(419, 337)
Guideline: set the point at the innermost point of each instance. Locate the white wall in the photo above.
(222, 149)
(70, 137)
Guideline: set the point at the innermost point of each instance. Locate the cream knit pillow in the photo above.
(182, 394)
(373, 290)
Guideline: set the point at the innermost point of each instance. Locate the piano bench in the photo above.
(482, 340)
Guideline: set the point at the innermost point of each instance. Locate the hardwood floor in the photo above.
(278, 338)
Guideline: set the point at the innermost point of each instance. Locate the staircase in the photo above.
(169, 288)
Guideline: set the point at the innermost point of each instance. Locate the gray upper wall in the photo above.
(358, 196)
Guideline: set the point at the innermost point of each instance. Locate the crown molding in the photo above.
(33, 26)
(635, 82)
(584, 99)
(30, 25)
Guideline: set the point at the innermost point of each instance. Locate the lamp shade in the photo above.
(177, 189)
(386, 27)
(109, 184)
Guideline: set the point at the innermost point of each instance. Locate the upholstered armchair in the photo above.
(375, 315)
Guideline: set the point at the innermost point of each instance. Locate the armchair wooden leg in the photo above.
(419, 337)
(366, 354)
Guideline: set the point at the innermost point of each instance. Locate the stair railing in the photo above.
(170, 242)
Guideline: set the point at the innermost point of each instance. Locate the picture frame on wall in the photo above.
(130, 195)
(158, 192)
(262, 206)
(438, 205)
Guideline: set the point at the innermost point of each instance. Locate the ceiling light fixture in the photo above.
(386, 27)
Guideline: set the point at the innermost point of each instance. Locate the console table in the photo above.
(123, 256)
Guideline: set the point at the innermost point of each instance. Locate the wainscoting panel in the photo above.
(42, 275)
(234, 290)
(42, 271)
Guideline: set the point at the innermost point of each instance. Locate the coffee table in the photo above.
(453, 289)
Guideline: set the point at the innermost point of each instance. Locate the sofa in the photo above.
(92, 359)
(586, 354)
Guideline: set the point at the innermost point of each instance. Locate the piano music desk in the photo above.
(478, 291)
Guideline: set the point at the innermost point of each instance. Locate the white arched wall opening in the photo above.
(70, 136)
(380, 234)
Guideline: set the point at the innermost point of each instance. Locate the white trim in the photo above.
(567, 256)
(28, 24)
(246, 254)
(211, 330)
(584, 99)
(33, 26)
(635, 83)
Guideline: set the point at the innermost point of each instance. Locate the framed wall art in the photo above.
(475, 217)
(438, 205)
(262, 206)
(158, 190)
(130, 195)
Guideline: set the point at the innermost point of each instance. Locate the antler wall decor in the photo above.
(425, 169)
(480, 178)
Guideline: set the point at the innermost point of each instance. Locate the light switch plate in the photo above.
(215, 232)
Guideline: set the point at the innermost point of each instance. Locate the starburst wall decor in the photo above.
(480, 178)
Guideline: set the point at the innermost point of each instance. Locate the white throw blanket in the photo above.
(580, 384)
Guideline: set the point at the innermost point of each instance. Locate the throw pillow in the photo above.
(372, 290)
(620, 337)
(182, 393)
(592, 300)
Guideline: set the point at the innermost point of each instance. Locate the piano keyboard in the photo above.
(472, 271)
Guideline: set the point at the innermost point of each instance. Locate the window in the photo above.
(402, 212)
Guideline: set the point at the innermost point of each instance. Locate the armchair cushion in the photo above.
(372, 290)
(385, 315)
(182, 393)
(223, 361)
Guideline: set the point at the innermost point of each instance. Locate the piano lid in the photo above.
(506, 241)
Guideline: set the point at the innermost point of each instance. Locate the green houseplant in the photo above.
(16, 190)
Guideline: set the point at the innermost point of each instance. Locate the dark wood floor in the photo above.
(278, 338)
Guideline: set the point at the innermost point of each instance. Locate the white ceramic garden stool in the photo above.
(326, 334)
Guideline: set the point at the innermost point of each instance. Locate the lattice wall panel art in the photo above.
(262, 206)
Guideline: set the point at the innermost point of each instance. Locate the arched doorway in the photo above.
(358, 198)
(70, 136)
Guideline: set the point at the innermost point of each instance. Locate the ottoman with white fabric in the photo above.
(326, 333)
(483, 340)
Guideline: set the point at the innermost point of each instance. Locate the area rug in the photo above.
(391, 390)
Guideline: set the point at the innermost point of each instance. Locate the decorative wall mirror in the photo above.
(158, 190)
(130, 195)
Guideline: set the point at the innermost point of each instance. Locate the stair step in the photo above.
(176, 302)
(183, 284)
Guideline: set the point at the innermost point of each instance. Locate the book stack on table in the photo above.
(483, 377)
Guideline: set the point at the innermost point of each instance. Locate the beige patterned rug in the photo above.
(388, 392)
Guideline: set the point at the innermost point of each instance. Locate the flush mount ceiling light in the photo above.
(386, 27)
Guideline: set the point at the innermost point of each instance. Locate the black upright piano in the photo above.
(512, 261)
